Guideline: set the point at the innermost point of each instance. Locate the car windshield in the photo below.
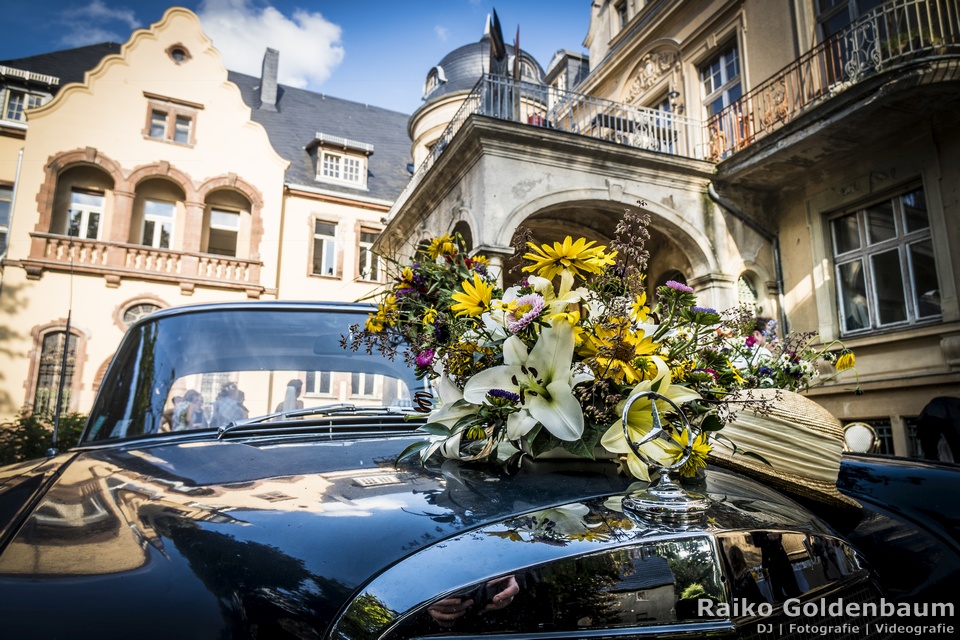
(211, 366)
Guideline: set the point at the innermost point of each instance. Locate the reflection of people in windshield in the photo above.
(493, 596)
(783, 581)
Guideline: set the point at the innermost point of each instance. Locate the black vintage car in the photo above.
(238, 479)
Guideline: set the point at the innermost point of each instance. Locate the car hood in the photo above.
(214, 530)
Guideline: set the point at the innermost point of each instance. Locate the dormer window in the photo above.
(342, 161)
(19, 101)
(435, 78)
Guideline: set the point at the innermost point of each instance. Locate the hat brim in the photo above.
(817, 490)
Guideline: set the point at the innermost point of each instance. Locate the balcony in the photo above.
(891, 36)
(895, 35)
(117, 261)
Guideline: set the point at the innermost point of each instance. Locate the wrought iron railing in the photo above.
(542, 106)
(890, 34)
(895, 32)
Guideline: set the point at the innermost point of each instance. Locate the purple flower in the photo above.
(501, 394)
(425, 358)
(702, 309)
(676, 286)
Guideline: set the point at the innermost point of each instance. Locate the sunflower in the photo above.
(475, 298)
(577, 258)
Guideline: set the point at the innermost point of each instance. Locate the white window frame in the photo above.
(84, 210)
(373, 381)
(6, 197)
(342, 168)
(159, 222)
(29, 101)
(903, 242)
(234, 228)
(725, 80)
(318, 383)
(328, 246)
(371, 265)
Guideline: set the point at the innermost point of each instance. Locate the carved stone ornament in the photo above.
(652, 66)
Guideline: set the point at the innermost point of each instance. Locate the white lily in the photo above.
(640, 422)
(558, 301)
(544, 379)
(450, 412)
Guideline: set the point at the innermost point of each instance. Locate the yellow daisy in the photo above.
(698, 453)
(475, 298)
(639, 309)
(620, 353)
(442, 246)
(577, 258)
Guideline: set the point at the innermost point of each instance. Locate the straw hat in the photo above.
(801, 440)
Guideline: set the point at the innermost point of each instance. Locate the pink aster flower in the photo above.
(527, 309)
(676, 286)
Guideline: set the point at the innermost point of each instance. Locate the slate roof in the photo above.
(464, 66)
(300, 115)
(68, 65)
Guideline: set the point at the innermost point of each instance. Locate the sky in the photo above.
(374, 52)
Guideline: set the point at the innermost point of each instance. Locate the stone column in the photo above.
(119, 232)
(193, 226)
(496, 255)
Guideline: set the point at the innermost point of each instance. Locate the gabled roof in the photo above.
(300, 115)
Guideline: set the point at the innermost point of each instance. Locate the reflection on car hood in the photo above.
(219, 531)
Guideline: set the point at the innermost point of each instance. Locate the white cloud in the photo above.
(91, 24)
(309, 45)
(442, 33)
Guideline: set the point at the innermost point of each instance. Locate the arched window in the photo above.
(747, 294)
(51, 367)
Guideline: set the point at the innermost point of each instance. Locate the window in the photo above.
(181, 129)
(885, 268)
(52, 367)
(138, 311)
(171, 119)
(319, 383)
(363, 384)
(224, 227)
(371, 265)
(720, 79)
(339, 167)
(834, 15)
(747, 294)
(19, 101)
(83, 218)
(6, 204)
(158, 124)
(158, 223)
(324, 248)
(621, 9)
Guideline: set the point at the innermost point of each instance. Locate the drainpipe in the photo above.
(766, 233)
(13, 202)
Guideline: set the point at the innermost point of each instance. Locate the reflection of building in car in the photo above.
(938, 429)
(647, 593)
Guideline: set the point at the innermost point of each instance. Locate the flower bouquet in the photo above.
(549, 362)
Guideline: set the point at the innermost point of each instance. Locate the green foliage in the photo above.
(29, 435)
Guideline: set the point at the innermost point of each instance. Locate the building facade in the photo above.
(798, 156)
(145, 175)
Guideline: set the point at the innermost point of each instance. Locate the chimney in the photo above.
(268, 80)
